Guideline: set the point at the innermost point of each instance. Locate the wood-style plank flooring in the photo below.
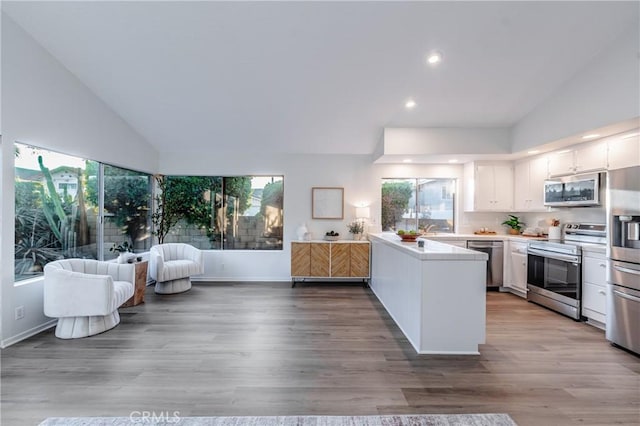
(317, 349)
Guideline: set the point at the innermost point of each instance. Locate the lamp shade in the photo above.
(363, 212)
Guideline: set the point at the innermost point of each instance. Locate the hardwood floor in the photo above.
(268, 349)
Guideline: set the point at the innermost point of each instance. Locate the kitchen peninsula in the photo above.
(436, 294)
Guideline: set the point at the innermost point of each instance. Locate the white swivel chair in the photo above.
(172, 265)
(85, 294)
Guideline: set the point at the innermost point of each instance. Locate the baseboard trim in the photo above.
(240, 279)
(28, 333)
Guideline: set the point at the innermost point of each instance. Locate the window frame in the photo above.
(415, 207)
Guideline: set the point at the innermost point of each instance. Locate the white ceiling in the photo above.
(318, 77)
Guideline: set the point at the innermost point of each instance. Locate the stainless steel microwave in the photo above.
(578, 190)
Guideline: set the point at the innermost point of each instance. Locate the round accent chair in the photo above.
(171, 266)
(85, 294)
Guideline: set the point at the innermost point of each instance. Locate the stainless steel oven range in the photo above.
(554, 268)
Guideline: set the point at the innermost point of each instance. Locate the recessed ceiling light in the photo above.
(533, 151)
(434, 58)
(453, 160)
(591, 136)
(407, 160)
(410, 104)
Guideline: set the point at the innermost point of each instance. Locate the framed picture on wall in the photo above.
(327, 203)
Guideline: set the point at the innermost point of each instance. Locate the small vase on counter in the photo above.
(301, 232)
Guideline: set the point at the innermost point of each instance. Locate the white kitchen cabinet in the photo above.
(623, 152)
(516, 267)
(488, 186)
(562, 163)
(594, 282)
(587, 157)
(529, 176)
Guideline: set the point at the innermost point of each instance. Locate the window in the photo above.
(57, 199)
(53, 220)
(411, 204)
(228, 213)
(127, 205)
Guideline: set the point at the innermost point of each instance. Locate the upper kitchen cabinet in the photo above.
(583, 158)
(623, 151)
(488, 186)
(529, 184)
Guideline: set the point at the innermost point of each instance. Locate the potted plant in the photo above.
(514, 223)
(121, 249)
(356, 228)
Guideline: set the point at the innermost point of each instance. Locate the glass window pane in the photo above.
(54, 218)
(192, 210)
(230, 213)
(435, 205)
(424, 203)
(127, 198)
(254, 212)
(398, 204)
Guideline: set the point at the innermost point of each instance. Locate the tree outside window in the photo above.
(212, 212)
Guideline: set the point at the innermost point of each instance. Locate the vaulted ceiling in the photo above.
(318, 77)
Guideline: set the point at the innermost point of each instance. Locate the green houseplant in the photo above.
(514, 223)
(356, 228)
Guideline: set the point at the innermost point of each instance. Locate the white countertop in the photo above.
(498, 237)
(432, 250)
(588, 247)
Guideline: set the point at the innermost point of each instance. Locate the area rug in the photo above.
(390, 420)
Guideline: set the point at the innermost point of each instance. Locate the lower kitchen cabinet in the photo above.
(594, 286)
(320, 259)
(516, 267)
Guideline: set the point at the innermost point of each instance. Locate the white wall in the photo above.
(45, 105)
(605, 92)
(301, 173)
(443, 140)
(361, 181)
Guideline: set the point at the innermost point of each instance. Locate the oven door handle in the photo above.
(556, 256)
(626, 296)
(626, 270)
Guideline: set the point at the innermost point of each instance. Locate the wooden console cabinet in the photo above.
(330, 259)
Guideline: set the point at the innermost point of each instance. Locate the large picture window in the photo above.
(70, 207)
(228, 213)
(57, 209)
(418, 204)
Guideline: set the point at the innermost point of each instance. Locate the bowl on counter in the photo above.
(408, 237)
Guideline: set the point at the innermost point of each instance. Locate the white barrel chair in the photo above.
(171, 266)
(85, 294)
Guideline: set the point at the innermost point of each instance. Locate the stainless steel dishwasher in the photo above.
(495, 251)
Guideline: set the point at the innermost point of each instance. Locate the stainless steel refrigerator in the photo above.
(623, 272)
